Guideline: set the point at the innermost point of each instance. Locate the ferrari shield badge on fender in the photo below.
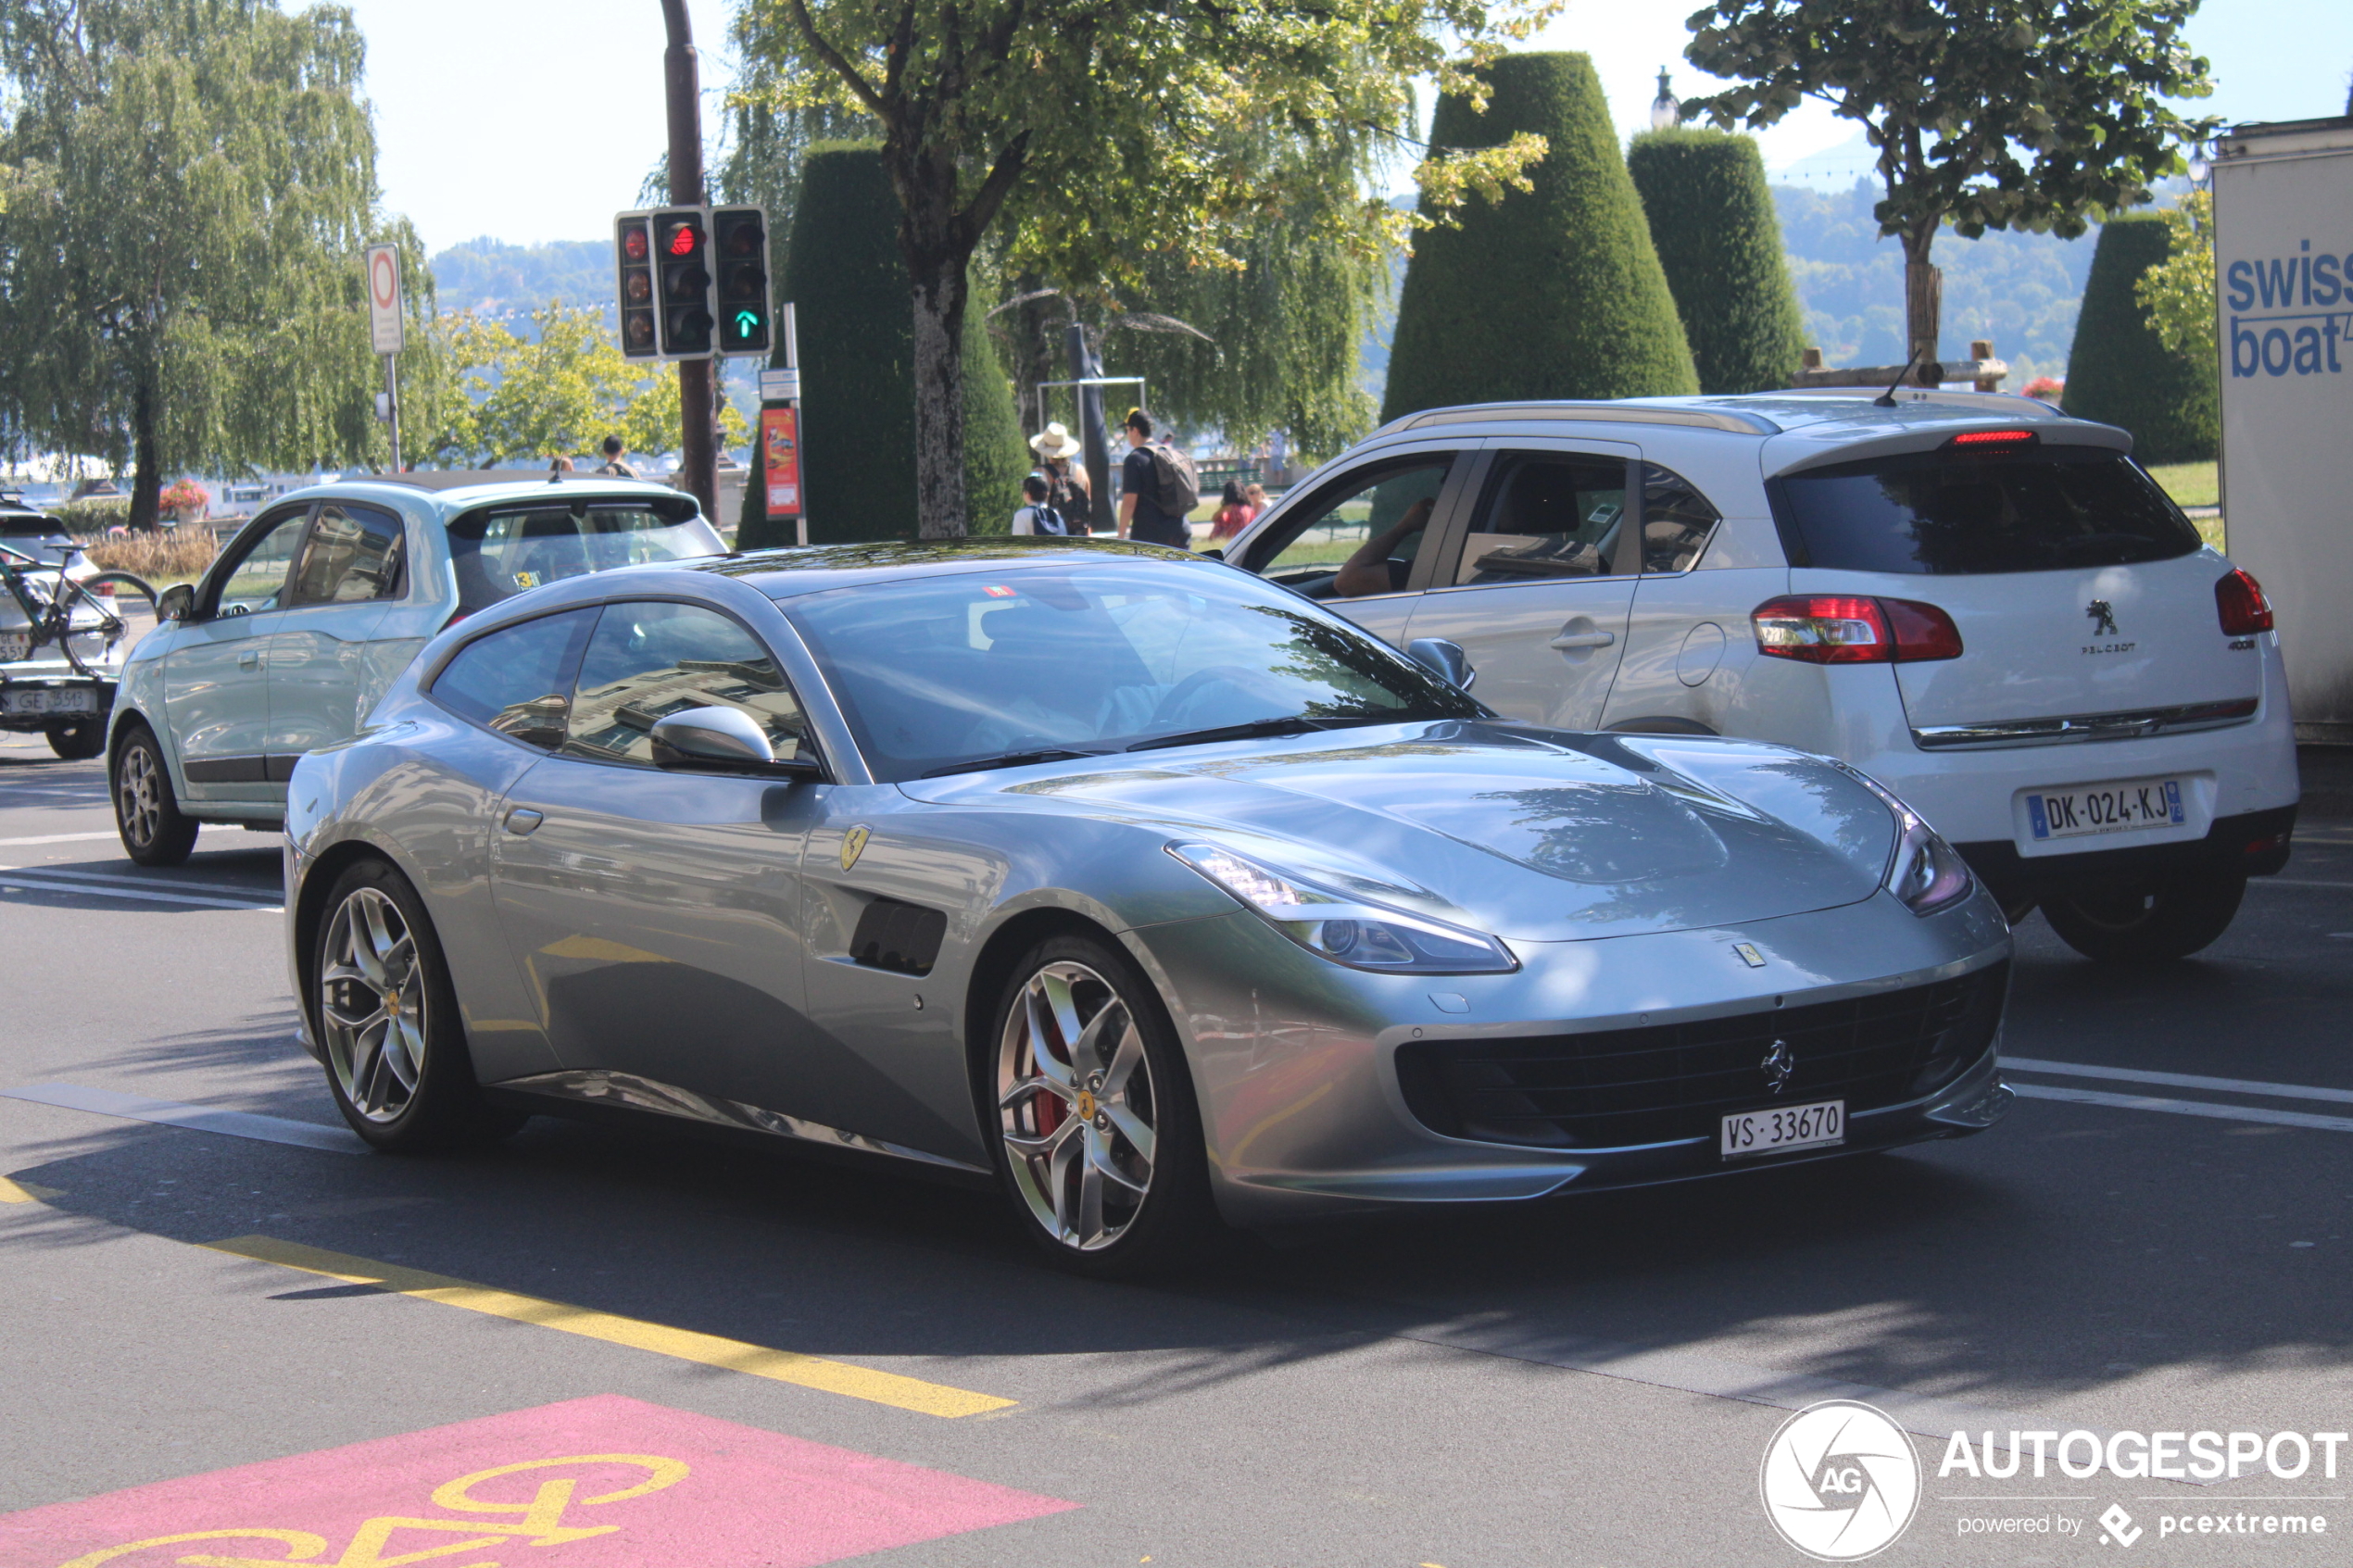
(853, 844)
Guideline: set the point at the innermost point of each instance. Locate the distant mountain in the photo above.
(495, 278)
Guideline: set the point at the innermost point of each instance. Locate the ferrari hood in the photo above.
(1535, 835)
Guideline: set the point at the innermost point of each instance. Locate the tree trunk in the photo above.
(147, 484)
(939, 402)
(1923, 301)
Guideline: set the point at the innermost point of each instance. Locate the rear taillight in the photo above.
(1848, 629)
(2238, 600)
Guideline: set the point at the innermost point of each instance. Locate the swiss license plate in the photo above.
(2135, 806)
(44, 700)
(1817, 1125)
(14, 646)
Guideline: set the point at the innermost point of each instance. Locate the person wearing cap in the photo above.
(1066, 489)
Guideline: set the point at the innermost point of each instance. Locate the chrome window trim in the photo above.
(2132, 724)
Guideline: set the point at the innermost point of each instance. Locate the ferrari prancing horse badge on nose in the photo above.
(853, 844)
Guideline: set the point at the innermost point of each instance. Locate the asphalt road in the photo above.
(1588, 1382)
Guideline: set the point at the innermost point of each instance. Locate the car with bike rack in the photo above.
(64, 631)
(312, 610)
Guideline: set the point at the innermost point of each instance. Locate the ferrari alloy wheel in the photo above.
(1100, 1144)
(372, 1005)
(387, 1020)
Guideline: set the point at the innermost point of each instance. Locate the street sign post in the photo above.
(388, 331)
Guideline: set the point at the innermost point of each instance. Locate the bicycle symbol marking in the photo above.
(541, 1523)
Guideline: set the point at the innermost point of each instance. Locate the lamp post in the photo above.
(1666, 111)
(698, 433)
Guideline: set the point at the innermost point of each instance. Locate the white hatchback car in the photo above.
(1971, 597)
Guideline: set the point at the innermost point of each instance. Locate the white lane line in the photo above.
(235, 889)
(14, 882)
(2185, 1107)
(2294, 881)
(2179, 1080)
(203, 1119)
(61, 838)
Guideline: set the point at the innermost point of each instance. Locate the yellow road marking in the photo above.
(708, 1350)
(11, 1192)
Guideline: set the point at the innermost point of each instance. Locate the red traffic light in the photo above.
(633, 243)
(685, 239)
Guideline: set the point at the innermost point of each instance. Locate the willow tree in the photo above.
(1100, 129)
(2040, 114)
(188, 184)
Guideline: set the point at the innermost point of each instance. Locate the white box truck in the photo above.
(2284, 286)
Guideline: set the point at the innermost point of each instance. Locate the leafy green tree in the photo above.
(1554, 292)
(1987, 114)
(2178, 292)
(188, 187)
(1712, 223)
(508, 400)
(842, 272)
(1098, 132)
(2121, 372)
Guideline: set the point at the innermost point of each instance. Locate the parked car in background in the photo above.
(312, 609)
(1983, 604)
(1115, 877)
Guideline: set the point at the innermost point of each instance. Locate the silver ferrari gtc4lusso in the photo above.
(1141, 886)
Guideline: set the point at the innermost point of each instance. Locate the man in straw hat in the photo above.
(1066, 490)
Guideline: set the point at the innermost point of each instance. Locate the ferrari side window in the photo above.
(517, 680)
(647, 661)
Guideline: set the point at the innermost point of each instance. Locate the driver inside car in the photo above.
(1375, 568)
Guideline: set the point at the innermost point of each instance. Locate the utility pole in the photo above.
(697, 432)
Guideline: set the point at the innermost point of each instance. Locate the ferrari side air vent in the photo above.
(903, 938)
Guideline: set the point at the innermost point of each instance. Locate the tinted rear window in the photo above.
(1946, 513)
(498, 554)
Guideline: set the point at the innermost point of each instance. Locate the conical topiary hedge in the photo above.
(2120, 373)
(1553, 292)
(1712, 223)
(848, 286)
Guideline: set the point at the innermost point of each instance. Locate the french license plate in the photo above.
(2135, 806)
(13, 647)
(41, 700)
(1817, 1125)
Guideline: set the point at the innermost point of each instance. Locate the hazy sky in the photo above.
(531, 122)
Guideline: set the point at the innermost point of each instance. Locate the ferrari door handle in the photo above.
(522, 818)
(1567, 641)
(248, 659)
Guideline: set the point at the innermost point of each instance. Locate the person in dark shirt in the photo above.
(1140, 513)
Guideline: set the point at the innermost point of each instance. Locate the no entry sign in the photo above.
(384, 298)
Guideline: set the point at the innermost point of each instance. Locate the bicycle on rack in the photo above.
(62, 642)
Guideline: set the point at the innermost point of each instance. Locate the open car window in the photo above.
(501, 551)
(1307, 548)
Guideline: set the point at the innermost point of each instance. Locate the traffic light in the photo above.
(682, 269)
(740, 243)
(634, 254)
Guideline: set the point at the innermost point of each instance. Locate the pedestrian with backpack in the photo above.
(1038, 515)
(1158, 488)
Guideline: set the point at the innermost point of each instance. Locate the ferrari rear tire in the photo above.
(146, 813)
(387, 1021)
(2171, 921)
(1097, 1139)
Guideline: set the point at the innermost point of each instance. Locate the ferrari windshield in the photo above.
(937, 672)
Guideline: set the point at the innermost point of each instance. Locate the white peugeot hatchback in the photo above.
(1983, 604)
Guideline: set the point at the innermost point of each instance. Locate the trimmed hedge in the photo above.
(1712, 223)
(2119, 373)
(849, 285)
(1553, 292)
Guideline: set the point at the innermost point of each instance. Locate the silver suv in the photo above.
(1983, 604)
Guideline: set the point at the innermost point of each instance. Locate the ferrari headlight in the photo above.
(1926, 872)
(1346, 929)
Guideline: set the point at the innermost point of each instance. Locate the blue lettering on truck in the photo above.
(2290, 328)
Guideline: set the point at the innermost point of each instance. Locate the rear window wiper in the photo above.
(1009, 760)
(1295, 724)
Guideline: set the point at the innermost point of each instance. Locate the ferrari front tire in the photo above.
(1097, 1139)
